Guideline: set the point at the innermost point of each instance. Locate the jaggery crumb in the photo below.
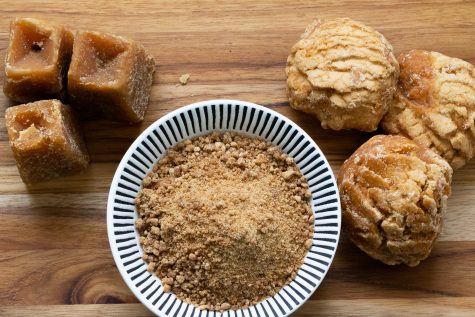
(184, 79)
(225, 220)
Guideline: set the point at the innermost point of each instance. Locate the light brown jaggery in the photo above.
(37, 60)
(110, 74)
(394, 196)
(342, 72)
(434, 105)
(46, 140)
(225, 220)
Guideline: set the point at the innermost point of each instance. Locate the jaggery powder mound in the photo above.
(225, 220)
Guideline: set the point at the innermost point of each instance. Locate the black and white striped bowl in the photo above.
(202, 118)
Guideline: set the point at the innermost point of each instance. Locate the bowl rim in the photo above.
(143, 135)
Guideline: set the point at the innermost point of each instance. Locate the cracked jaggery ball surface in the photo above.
(393, 194)
(435, 105)
(344, 73)
(225, 220)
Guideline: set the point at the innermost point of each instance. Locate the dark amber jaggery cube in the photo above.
(46, 140)
(110, 74)
(37, 60)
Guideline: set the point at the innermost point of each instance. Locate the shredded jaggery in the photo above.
(225, 220)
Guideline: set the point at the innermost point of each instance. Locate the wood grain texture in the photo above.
(53, 241)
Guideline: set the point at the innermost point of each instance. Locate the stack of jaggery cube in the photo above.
(94, 72)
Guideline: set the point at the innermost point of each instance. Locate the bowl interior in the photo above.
(203, 118)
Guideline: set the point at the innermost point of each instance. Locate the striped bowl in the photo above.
(202, 118)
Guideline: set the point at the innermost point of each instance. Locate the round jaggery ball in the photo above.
(434, 105)
(394, 195)
(344, 73)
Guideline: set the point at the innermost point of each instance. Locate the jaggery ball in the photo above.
(344, 73)
(434, 105)
(394, 195)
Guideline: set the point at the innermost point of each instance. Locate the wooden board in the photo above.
(53, 243)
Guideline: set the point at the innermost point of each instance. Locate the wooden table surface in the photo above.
(54, 253)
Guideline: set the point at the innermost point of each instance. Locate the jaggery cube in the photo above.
(37, 60)
(46, 140)
(111, 75)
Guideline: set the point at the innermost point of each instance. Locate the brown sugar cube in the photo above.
(111, 74)
(46, 140)
(37, 60)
